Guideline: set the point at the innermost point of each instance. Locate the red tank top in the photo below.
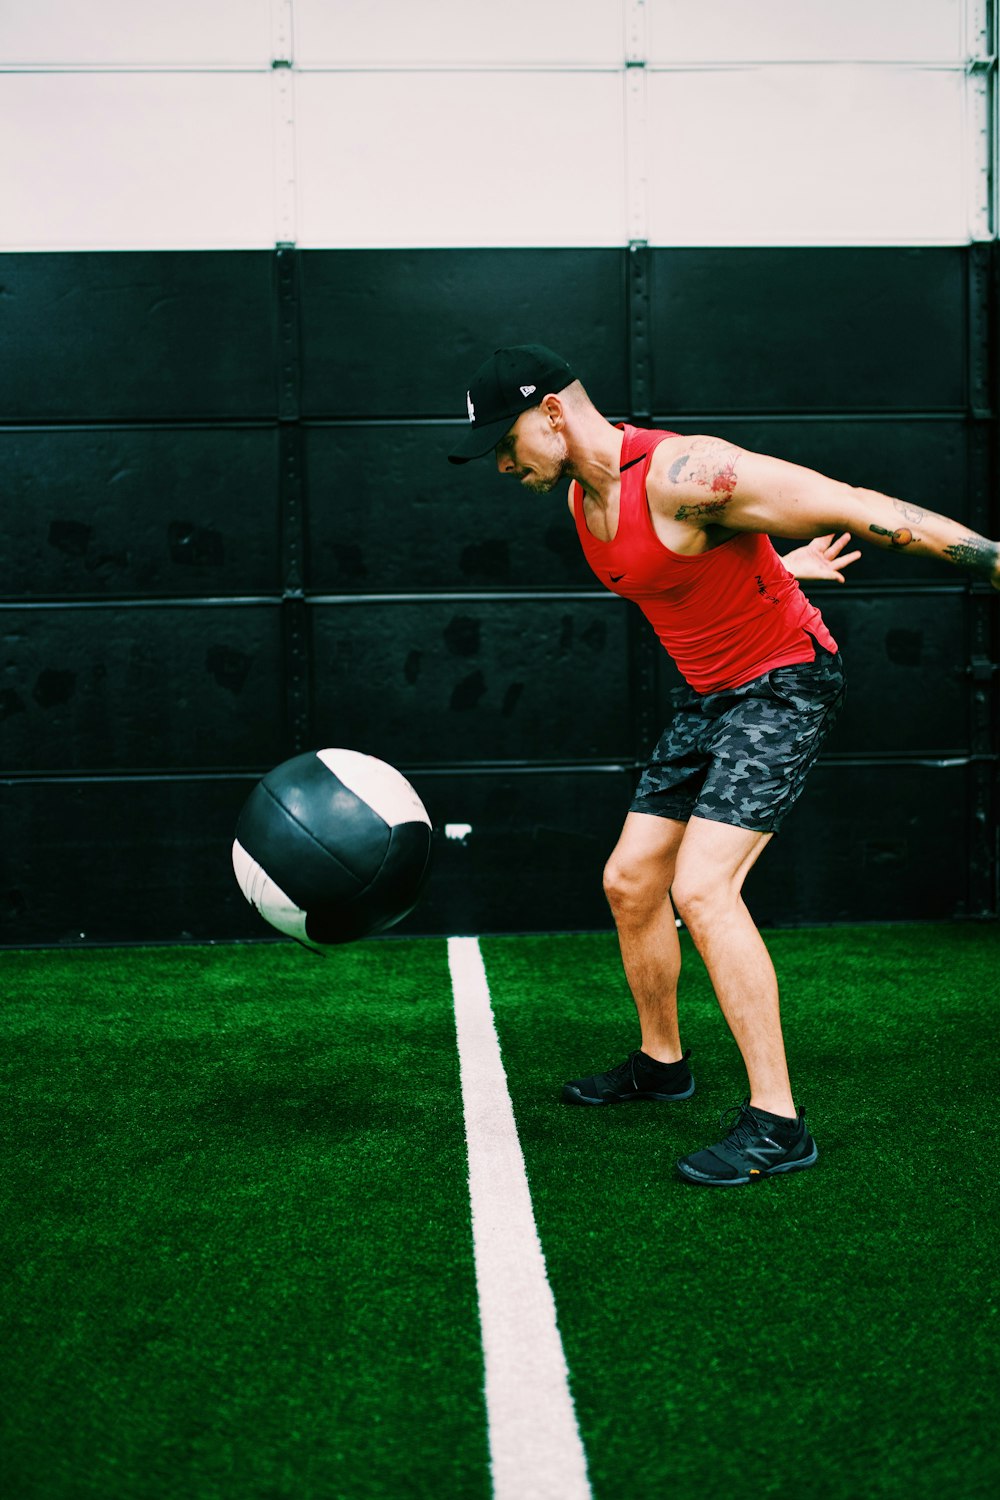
(725, 616)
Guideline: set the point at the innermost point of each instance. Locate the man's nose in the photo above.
(505, 462)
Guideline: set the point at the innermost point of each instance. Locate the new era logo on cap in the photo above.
(508, 383)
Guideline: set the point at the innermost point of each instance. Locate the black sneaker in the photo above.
(638, 1077)
(758, 1145)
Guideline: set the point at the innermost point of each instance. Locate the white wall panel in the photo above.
(136, 161)
(381, 33)
(136, 123)
(796, 156)
(460, 159)
(81, 33)
(718, 31)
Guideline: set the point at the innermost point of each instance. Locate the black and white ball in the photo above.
(332, 846)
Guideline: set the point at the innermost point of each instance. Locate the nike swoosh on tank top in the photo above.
(727, 615)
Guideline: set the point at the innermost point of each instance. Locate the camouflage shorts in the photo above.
(741, 756)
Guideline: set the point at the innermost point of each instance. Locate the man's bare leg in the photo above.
(712, 864)
(637, 882)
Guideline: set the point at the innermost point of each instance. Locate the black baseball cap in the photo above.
(511, 381)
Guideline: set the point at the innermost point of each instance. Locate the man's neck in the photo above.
(595, 459)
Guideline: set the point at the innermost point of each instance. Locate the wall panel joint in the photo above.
(292, 501)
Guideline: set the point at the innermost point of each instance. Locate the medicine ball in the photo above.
(332, 846)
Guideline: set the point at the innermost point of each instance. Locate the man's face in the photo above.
(533, 452)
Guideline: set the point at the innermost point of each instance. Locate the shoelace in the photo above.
(740, 1124)
(624, 1070)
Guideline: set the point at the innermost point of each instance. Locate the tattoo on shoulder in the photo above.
(975, 553)
(711, 464)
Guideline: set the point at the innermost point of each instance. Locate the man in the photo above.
(679, 525)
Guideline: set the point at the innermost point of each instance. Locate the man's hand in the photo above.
(821, 558)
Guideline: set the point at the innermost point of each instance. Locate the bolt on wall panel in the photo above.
(164, 336)
(110, 161)
(388, 513)
(450, 680)
(403, 159)
(396, 334)
(808, 331)
(804, 30)
(95, 511)
(126, 688)
(389, 33)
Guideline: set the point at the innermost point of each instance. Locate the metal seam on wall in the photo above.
(885, 589)
(644, 649)
(980, 116)
(291, 501)
(982, 668)
(282, 62)
(291, 490)
(636, 124)
(872, 760)
(284, 154)
(281, 31)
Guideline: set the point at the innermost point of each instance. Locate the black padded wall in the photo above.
(228, 532)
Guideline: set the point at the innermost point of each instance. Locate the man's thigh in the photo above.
(647, 848)
(713, 855)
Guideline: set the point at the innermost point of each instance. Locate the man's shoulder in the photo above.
(684, 465)
(689, 487)
(669, 447)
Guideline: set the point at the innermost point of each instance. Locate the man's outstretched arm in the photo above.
(712, 482)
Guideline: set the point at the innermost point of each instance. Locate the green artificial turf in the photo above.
(237, 1246)
(236, 1227)
(828, 1334)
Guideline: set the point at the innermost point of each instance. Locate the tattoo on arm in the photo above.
(976, 554)
(710, 464)
(706, 510)
(902, 537)
(911, 513)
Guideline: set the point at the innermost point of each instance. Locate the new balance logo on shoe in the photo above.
(748, 1154)
(765, 1151)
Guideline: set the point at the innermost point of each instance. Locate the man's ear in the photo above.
(553, 408)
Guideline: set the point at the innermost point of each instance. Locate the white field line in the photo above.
(535, 1447)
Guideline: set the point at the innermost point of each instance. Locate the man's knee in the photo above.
(702, 895)
(705, 896)
(634, 887)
